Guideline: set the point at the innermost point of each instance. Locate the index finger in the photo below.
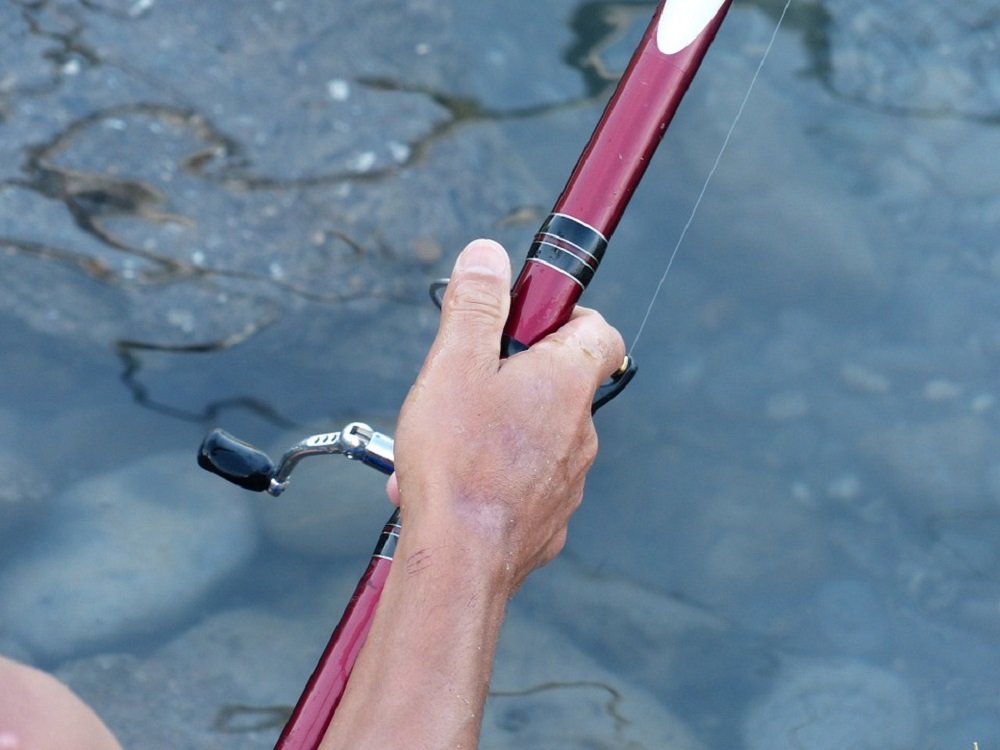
(589, 343)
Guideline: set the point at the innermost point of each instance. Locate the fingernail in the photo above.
(482, 256)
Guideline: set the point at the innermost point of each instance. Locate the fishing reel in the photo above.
(252, 469)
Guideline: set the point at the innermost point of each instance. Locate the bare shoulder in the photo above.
(37, 711)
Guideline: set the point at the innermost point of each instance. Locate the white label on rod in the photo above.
(682, 21)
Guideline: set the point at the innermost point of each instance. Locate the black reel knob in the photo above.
(239, 462)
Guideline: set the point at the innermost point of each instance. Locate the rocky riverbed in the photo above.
(227, 214)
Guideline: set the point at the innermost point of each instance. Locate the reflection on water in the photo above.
(214, 215)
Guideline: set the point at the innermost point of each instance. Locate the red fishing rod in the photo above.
(571, 241)
(561, 261)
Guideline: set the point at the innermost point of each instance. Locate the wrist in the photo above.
(467, 554)
(427, 659)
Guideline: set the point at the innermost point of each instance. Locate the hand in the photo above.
(490, 460)
(491, 453)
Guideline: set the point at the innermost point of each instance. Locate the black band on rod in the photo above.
(569, 246)
(576, 233)
(387, 540)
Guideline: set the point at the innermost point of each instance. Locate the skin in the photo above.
(37, 712)
(491, 457)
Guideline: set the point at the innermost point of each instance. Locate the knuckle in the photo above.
(616, 342)
(475, 297)
(608, 339)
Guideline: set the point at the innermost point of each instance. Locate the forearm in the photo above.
(483, 504)
(422, 678)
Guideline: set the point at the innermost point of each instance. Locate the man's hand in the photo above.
(490, 461)
(493, 452)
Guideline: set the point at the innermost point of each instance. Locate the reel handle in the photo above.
(235, 460)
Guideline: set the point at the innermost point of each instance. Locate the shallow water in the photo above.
(791, 535)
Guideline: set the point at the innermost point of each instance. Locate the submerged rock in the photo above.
(124, 553)
(949, 49)
(631, 625)
(333, 507)
(684, 656)
(231, 681)
(943, 463)
(852, 616)
(547, 693)
(23, 493)
(834, 705)
(246, 165)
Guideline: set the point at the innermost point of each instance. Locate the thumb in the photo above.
(476, 303)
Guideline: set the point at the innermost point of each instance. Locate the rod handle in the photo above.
(322, 693)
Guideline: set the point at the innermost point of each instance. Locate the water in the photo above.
(214, 217)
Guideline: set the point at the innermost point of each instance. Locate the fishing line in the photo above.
(711, 174)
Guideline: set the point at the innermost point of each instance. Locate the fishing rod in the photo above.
(561, 261)
(571, 242)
